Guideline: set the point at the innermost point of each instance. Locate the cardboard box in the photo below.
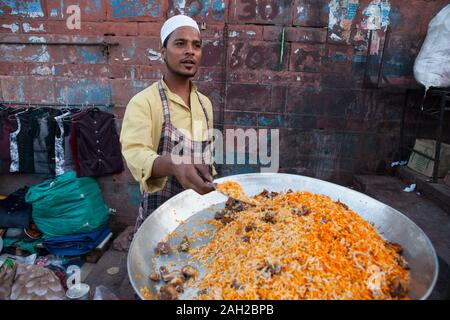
(425, 166)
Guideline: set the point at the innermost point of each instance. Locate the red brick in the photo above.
(215, 74)
(23, 89)
(150, 72)
(295, 34)
(257, 56)
(261, 12)
(90, 10)
(136, 10)
(124, 90)
(10, 25)
(151, 29)
(214, 91)
(306, 57)
(304, 102)
(245, 32)
(338, 58)
(200, 10)
(83, 70)
(311, 13)
(238, 97)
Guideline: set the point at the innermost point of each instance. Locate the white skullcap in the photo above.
(177, 22)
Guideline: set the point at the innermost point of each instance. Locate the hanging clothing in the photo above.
(59, 145)
(44, 141)
(28, 126)
(14, 147)
(6, 127)
(171, 137)
(97, 143)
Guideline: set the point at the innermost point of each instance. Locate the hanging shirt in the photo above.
(142, 126)
(97, 143)
(6, 127)
(59, 145)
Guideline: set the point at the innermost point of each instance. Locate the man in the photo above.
(166, 116)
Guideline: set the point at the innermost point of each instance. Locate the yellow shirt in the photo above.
(142, 125)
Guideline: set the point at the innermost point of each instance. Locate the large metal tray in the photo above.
(185, 212)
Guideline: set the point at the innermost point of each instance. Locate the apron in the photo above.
(171, 137)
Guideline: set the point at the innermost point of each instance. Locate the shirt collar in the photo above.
(176, 98)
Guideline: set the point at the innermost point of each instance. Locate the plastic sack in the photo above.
(67, 205)
(432, 65)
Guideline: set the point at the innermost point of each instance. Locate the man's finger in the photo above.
(204, 172)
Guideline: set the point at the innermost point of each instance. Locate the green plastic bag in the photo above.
(67, 205)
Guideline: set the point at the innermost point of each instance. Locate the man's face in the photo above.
(183, 52)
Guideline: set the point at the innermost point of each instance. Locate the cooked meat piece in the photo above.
(236, 285)
(172, 275)
(189, 271)
(342, 204)
(394, 246)
(401, 262)
(224, 216)
(234, 205)
(274, 194)
(250, 227)
(178, 283)
(202, 292)
(300, 211)
(163, 248)
(246, 239)
(185, 244)
(155, 276)
(163, 270)
(264, 194)
(289, 191)
(269, 217)
(274, 268)
(168, 292)
(398, 288)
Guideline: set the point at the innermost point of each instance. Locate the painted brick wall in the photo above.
(337, 112)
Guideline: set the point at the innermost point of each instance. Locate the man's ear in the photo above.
(163, 53)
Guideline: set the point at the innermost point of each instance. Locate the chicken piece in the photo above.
(274, 268)
(342, 204)
(155, 276)
(177, 283)
(236, 285)
(269, 217)
(168, 292)
(301, 211)
(394, 246)
(163, 248)
(185, 245)
(171, 275)
(250, 227)
(398, 288)
(189, 271)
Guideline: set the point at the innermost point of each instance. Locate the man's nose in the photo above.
(190, 49)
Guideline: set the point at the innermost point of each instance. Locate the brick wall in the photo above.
(336, 93)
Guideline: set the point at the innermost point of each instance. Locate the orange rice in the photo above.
(328, 253)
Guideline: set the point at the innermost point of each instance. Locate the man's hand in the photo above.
(189, 175)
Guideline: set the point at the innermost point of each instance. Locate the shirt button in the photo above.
(96, 131)
(97, 141)
(95, 122)
(98, 151)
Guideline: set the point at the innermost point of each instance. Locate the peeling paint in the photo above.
(42, 56)
(14, 27)
(233, 34)
(251, 33)
(376, 15)
(341, 15)
(37, 39)
(154, 55)
(27, 28)
(43, 70)
(30, 8)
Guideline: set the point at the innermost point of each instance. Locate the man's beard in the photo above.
(178, 73)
